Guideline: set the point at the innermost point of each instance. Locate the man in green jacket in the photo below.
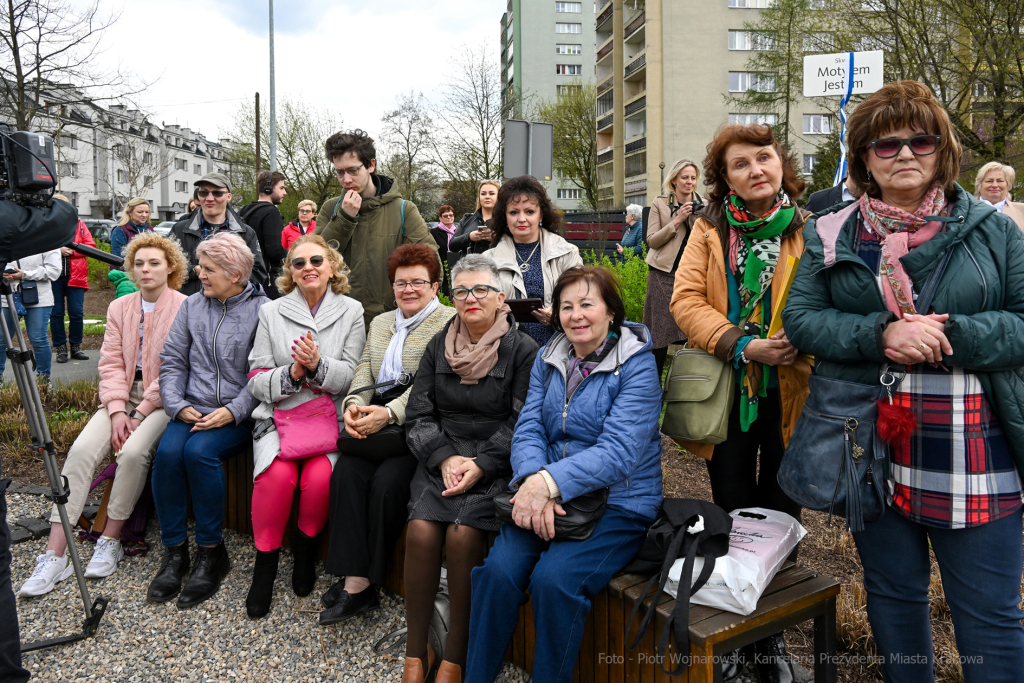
(368, 222)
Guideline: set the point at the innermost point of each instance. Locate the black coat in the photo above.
(445, 417)
(460, 244)
(441, 238)
(823, 199)
(266, 221)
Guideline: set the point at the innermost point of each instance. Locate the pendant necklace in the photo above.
(524, 266)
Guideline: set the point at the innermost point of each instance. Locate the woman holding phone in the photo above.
(472, 236)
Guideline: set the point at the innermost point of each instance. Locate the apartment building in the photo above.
(105, 152)
(546, 46)
(664, 69)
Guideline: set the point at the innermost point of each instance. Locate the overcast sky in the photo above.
(347, 56)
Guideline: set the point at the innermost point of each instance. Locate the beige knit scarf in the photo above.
(472, 361)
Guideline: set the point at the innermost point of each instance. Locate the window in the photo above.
(569, 69)
(567, 89)
(180, 165)
(197, 169)
(751, 40)
(66, 169)
(120, 176)
(572, 193)
(568, 28)
(180, 186)
(571, 7)
(818, 4)
(982, 90)
(817, 124)
(563, 49)
(605, 102)
(74, 198)
(810, 161)
(871, 43)
(118, 149)
(147, 157)
(69, 141)
(742, 81)
(747, 119)
(750, 4)
(820, 41)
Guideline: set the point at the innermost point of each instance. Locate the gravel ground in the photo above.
(216, 641)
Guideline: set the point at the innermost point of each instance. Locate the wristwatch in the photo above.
(392, 419)
(136, 415)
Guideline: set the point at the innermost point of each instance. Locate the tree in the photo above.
(826, 159)
(138, 157)
(406, 143)
(574, 118)
(48, 54)
(467, 145)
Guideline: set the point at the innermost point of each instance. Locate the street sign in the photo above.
(826, 75)
(528, 149)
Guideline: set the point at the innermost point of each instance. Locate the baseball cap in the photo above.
(217, 179)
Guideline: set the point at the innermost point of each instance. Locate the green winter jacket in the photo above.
(835, 310)
(383, 223)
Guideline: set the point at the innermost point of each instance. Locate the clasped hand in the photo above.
(917, 339)
(361, 421)
(776, 350)
(534, 509)
(459, 474)
(306, 353)
(121, 427)
(201, 423)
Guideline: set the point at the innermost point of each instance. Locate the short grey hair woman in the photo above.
(632, 232)
(993, 185)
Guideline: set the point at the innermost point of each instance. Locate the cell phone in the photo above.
(522, 309)
(263, 428)
(10, 271)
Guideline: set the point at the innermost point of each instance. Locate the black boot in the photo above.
(77, 353)
(350, 605)
(62, 353)
(167, 582)
(734, 662)
(772, 662)
(212, 565)
(304, 571)
(261, 592)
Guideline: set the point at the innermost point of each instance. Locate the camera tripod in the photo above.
(21, 355)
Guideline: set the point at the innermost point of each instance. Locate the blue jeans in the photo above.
(76, 312)
(561, 576)
(35, 325)
(187, 460)
(981, 571)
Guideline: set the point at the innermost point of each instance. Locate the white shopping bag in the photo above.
(759, 543)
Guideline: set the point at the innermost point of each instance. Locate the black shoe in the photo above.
(212, 565)
(735, 661)
(304, 570)
(167, 583)
(76, 353)
(333, 594)
(772, 662)
(261, 592)
(350, 605)
(62, 353)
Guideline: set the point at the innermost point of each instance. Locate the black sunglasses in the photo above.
(920, 145)
(203, 194)
(300, 263)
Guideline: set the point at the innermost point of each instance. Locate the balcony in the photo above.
(635, 25)
(634, 146)
(603, 15)
(605, 50)
(606, 121)
(636, 186)
(605, 84)
(636, 105)
(636, 65)
(605, 155)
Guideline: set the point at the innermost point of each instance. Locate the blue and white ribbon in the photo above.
(841, 167)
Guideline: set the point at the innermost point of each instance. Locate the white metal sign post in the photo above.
(842, 75)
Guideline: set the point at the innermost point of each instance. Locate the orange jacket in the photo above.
(700, 303)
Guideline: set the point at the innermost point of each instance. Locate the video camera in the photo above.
(27, 167)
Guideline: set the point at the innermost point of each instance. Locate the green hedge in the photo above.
(98, 270)
(631, 272)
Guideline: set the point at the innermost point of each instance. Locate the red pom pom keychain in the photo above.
(895, 422)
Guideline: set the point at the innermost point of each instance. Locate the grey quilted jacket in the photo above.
(205, 361)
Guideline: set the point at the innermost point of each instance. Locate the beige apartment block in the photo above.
(664, 69)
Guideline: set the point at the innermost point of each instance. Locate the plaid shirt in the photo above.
(957, 470)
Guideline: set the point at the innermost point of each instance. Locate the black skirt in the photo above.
(474, 508)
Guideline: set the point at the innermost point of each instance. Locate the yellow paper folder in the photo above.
(787, 281)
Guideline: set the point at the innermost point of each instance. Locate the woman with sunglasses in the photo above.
(307, 345)
(953, 483)
(369, 498)
(471, 384)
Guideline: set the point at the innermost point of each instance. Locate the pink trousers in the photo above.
(272, 495)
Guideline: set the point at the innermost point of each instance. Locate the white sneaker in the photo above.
(50, 570)
(105, 558)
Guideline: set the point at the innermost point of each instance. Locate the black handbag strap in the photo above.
(391, 383)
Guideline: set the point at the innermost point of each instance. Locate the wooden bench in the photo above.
(796, 595)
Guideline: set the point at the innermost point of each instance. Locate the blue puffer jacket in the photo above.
(607, 435)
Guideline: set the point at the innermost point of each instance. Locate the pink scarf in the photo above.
(901, 232)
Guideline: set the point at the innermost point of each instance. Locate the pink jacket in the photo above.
(120, 350)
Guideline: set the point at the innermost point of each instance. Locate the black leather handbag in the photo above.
(581, 514)
(389, 440)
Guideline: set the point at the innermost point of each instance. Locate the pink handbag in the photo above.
(307, 430)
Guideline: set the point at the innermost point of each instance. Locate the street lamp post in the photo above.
(273, 101)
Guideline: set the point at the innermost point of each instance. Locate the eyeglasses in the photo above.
(447, 214)
(300, 263)
(479, 292)
(400, 285)
(351, 172)
(305, 210)
(920, 145)
(203, 194)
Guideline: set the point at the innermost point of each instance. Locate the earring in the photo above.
(869, 175)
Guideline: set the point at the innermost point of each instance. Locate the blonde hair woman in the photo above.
(668, 225)
(993, 185)
(305, 224)
(134, 220)
(131, 418)
(473, 236)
